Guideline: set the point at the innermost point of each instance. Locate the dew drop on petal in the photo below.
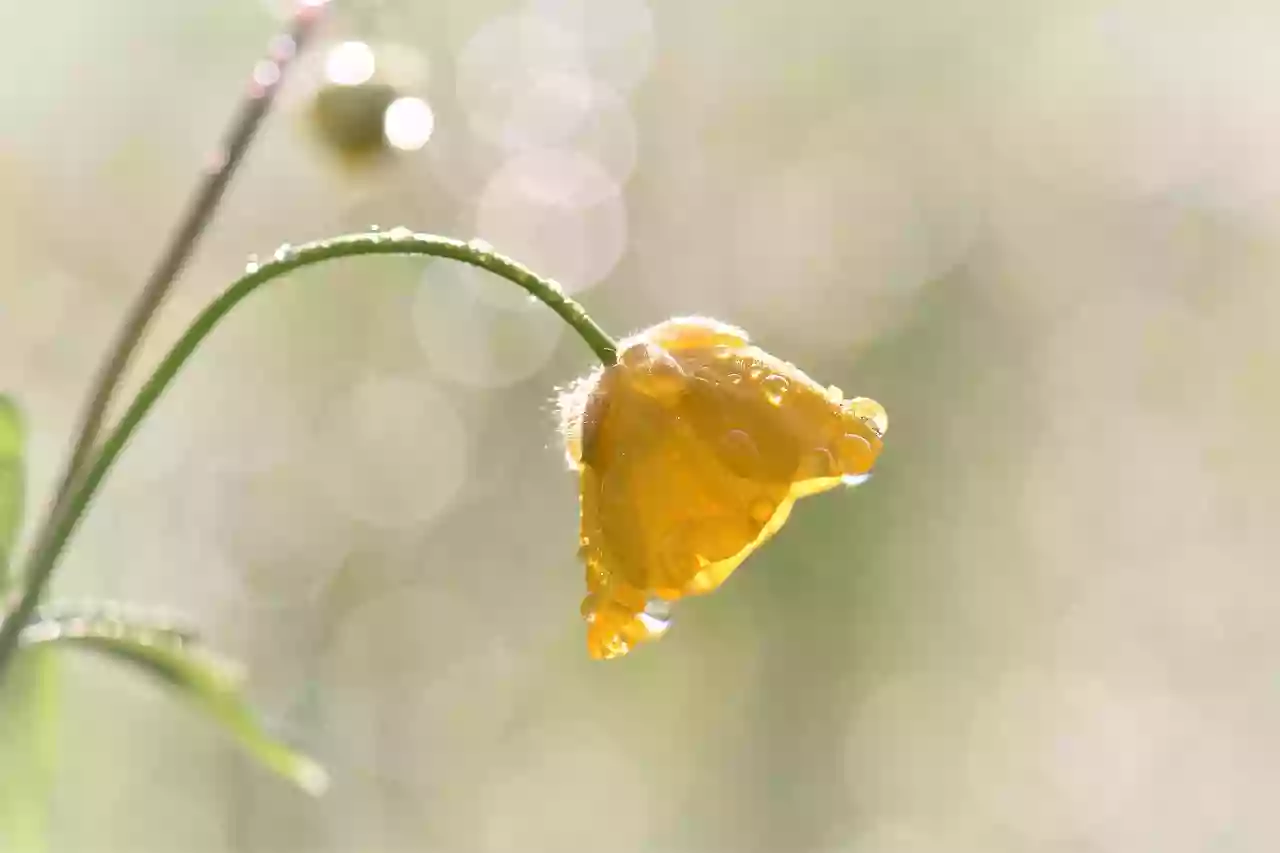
(408, 123)
(656, 616)
(871, 412)
(856, 455)
(855, 479)
(818, 464)
(775, 388)
(653, 371)
(739, 452)
(762, 510)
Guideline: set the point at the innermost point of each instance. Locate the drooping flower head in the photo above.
(691, 450)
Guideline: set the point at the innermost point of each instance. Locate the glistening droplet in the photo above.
(739, 452)
(818, 464)
(856, 455)
(656, 616)
(775, 388)
(871, 412)
(762, 509)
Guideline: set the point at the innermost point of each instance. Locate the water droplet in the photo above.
(283, 253)
(739, 452)
(656, 616)
(478, 245)
(374, 229)
(616, 647)
(835, 395)
(856, 459)
(762, 509)
(818, 464)
(653, 370)
(266, 73)
(282, 47)
(408, 123)
(871, 412)
(734, 378)
(636, 356)
(251, 266)
(775, 388)
(755, 373)
(856, 455)
(400, 233)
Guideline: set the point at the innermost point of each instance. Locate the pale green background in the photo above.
(1046, 235)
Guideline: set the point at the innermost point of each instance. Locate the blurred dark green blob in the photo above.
(349, 120)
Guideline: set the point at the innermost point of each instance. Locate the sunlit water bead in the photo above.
(408, 123)
(363, 100)
(473, 334)
(391, 452)
(656, 616)
(557, 212)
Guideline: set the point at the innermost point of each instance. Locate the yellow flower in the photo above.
(692, 450)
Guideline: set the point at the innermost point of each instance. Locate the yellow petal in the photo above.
(692, 450)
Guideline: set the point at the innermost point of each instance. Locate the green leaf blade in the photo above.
(28, 752)
(13, 477)
(211, 683)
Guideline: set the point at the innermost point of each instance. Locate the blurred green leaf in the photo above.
(28, 741)
(12, 481)
(213, 684)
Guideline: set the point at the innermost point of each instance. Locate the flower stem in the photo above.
(266, 81)
(67, 515)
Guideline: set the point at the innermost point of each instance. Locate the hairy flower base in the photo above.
(692, 450)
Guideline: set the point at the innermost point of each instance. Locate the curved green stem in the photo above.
(49, 547)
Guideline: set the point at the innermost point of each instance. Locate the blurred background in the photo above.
(1045, 235)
